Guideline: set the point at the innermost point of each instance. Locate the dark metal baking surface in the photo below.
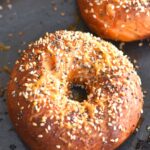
(23, 21)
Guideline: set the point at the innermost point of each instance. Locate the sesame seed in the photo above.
(62, 13)
(40, 136)
(1, 7)
(34, 124)
(140, 44)
(58, 146)
(49, 127)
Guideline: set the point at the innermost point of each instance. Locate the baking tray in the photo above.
(23, 21)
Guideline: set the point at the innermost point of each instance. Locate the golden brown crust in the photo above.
(117, 20)
(41, 110)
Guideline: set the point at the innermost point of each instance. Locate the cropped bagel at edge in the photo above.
(122, 20)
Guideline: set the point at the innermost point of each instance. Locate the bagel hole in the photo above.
(78, 92)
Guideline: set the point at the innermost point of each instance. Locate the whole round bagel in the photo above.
(41, 104)
(122, 20)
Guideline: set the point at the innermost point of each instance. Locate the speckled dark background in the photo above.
(26, 21)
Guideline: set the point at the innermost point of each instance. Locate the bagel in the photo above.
(120, 20)
(41, 104)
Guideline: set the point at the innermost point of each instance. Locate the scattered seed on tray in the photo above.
(9, 6)
(1, 7)
(121, 45)
(4, 47)
(5, 69)
(10, 35)
(145, 92)
(12, 147)
(148, 128)
(62, 13)
(54, 6)
(140, 44)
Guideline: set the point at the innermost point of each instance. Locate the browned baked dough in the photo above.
(39, 103)
(123, 20)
